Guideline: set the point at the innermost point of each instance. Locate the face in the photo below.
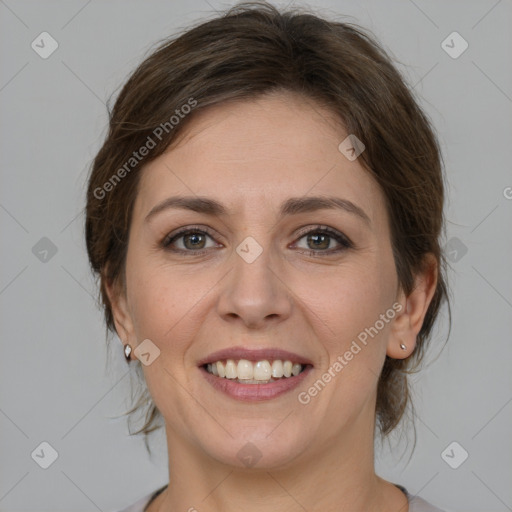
(256, 275)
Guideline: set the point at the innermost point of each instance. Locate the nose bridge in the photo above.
(254, 292)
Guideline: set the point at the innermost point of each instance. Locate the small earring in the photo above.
(403, 347)
(127, 352)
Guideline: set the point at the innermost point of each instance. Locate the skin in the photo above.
(251, 156)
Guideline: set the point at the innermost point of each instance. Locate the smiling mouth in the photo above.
(264, 371)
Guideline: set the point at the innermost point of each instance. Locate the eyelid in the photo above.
(321, 227)
(339, 236)
(185, 230)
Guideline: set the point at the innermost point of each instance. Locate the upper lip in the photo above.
(258, 354)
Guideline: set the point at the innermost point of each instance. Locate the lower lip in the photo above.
(255, 392)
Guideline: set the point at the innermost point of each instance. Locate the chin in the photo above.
(256, 449)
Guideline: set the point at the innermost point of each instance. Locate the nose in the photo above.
(255, 293)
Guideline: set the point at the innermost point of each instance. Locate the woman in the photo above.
(265, 218)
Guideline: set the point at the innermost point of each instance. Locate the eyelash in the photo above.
(340, 238)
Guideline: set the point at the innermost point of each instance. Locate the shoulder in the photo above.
(138, 506)
(143, 502)
(417, 504)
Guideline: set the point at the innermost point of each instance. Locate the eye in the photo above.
(191, 240)
(320, 241)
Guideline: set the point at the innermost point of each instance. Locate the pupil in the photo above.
(316, 238)
(194, 237)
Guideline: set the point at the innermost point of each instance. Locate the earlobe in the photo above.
(407, 324)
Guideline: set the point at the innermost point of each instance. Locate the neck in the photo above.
(335, 474)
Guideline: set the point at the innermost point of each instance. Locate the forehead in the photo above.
(257, 153)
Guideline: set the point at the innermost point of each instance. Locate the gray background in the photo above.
(54, 383)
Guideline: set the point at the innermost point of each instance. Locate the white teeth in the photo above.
(296, 368)
(262, 370)
(230, 368)
(221, 371)
(277, 369)
(253, 373)
(244, 369)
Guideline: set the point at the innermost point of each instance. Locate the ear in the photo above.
(408, 322)
(120, 311)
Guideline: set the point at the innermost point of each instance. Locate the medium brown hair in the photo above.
(251, 50)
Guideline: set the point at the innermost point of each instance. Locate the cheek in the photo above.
(168, 304)
(157, 301)
(349, 298)
(348, 303)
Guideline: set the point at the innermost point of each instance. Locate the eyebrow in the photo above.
(292, 206)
